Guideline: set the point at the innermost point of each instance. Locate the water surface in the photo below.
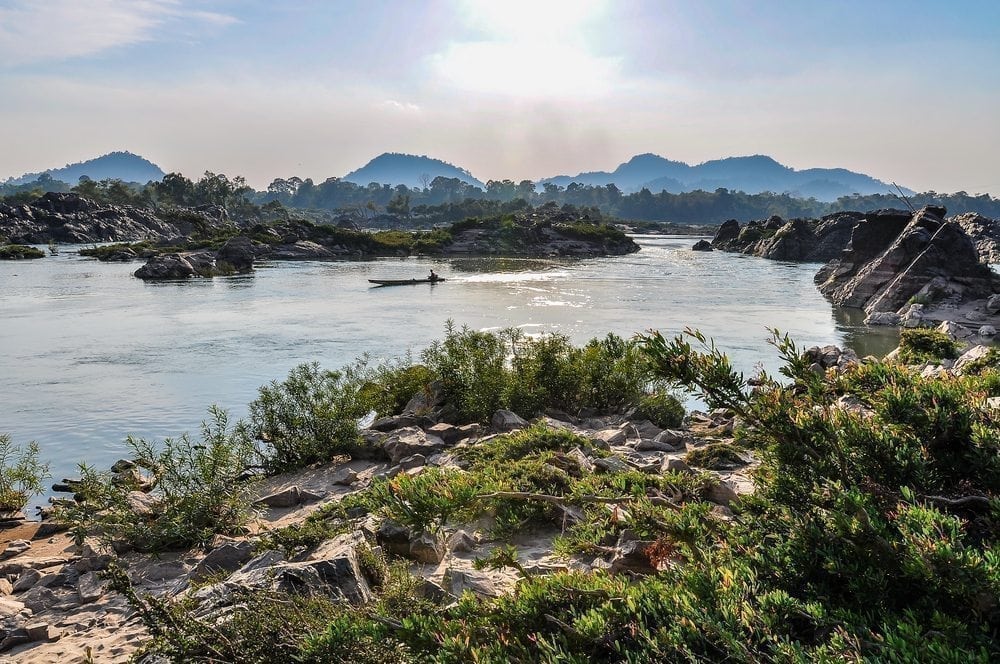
(91, 354)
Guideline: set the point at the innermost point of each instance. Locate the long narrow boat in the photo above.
(404, 282)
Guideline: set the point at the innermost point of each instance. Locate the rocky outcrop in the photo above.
(702, 245)
(928, 260)
(807, 240)
(236, 256)
(71, 218)
(985, 234)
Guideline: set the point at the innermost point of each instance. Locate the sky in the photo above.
(905, 91)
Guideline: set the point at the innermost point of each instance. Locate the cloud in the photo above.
(33, 32)
(401, 106)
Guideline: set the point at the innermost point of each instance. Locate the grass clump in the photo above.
(919, 345)
(716, 456)
(21, 474)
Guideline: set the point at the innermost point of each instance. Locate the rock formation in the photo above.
(71, 218)
(929, 260)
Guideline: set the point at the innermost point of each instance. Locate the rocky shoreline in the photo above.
(204, 242)
(57, 604)
(902, 269)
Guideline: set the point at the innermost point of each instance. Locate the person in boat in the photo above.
(433, 276)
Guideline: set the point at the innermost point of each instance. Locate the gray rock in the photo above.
(409, 441)
(993, 305)
(722, 493)
(457, 582)
(612, 464)
(237, 253)
(90, 587)
(142, 504)
(39, 599)
(647, 445)
(413, 461)
(28, 579)
(167, 266)
(632, 556)
(344, 476)
(672, 437)
(289, 497)
(394, 538)
(971, 355)
(15, 547)
(646, 429)
(226, 558)
(461, 542)
(427, 548)
(608, 437)
(675, 465)
(886, 318)
(987, 331)
(506, 420)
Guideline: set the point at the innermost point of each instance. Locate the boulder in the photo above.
(987, 331)
(993, 305)
(702, 245)
(506, 420)
(237, 253)
(409, 441)
(289, 497)
(226, 558)
(971, 355)
(722, 493)
(427, 548)
(457, 582)
(167, 266)
(90, 587)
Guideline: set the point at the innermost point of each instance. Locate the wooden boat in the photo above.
(404, 282)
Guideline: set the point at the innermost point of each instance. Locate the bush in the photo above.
(19, 251)
(312, 415)
(199, 489)
(21, 474)
(919, 345)
(662, 409)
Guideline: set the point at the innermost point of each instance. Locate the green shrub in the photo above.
(471, 367)
(200, 489)
(919, 345)
(19, 252)
(662, 409)
(312, 415)
(21, 474)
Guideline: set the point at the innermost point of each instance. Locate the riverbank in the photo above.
(428, 519)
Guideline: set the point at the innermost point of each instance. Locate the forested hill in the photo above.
(753, 174)
(410, 170)
(123, 166)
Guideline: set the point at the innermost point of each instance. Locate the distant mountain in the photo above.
(752, 174)
(115, 165)
(413, 171)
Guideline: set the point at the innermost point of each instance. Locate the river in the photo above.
(91, 354)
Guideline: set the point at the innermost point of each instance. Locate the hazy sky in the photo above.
(901, 90)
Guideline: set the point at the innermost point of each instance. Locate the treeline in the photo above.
(445, 200)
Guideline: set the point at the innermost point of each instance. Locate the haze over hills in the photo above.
(752, 174)
(414, 171)
(123, 166)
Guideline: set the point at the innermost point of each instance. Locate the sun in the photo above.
(527, 49)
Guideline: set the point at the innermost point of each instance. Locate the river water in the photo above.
(90, 354)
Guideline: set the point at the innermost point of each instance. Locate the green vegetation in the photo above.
(716, 456)
(199, 489)
(21, 474)
(872, 534)
(19, 251)
(919, 345)
(608, 375)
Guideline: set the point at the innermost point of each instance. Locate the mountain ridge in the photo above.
(119, 165)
